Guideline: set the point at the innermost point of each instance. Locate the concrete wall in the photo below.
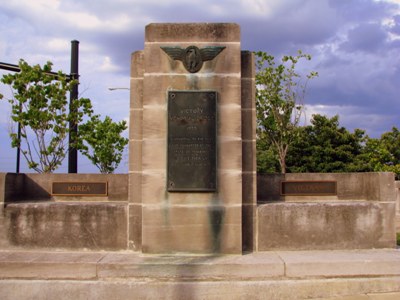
(2, 187)
(32, 186)
(353, 219)
(66, 225)
(360, 216)
(350, 186)
(32, 218)
(397, 186)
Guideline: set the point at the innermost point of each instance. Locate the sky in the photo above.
(354, 44)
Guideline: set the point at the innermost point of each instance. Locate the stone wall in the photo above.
(33, 186)
(32, 218)
(352, 219)
(360, 216)
(397, 186)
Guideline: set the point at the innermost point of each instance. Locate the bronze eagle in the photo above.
(192, 57)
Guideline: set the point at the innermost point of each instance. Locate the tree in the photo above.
(324, 146)
(267, 158)
(39, 104)
(280, 93)
(105, 141)
(383, 155)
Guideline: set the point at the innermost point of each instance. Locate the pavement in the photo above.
(336, 274)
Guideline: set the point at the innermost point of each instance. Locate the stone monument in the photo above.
(192, 162)
(192, 186)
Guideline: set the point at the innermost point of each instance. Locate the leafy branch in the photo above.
(280, 93)
(39, 104)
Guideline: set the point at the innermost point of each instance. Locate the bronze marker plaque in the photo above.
(308, 188)
(192, 129)
(79, 189)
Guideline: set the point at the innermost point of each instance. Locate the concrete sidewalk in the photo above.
(352, 274)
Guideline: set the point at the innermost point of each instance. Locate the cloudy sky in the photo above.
(355, 47)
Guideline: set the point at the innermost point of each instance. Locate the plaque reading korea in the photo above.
(192, 159)
(308, 188)
(79, 189)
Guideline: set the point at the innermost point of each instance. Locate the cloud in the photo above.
(107, 65)
(368, 37)
(354, 45)
(352, 117)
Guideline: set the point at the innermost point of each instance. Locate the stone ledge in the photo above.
(49, 265)
(373, 288)
(369, 274)
(352, 263)
(255, 266)
(231, 267)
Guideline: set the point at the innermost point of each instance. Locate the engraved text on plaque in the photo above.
(192, 141)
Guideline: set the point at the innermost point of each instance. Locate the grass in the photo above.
(398, 238)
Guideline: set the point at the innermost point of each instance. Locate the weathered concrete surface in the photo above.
(31, 217)
(397, 187)
(33, 186)
(369, 296)
(66, 225)
(360, 216)
(2, 188)
(340, 289)
(341, 263)
(49, 265)
(369, 274)
(326, 225)
(350, 186)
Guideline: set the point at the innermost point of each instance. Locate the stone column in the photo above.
(249, 151)
(187, 222)
(135, 152)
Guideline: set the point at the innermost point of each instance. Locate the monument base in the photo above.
(359, 214)
(269, 275)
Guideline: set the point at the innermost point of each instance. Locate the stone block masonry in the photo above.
(196, 221)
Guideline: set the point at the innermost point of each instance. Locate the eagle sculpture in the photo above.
(192, 57)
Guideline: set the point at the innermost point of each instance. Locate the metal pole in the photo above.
(73, 126)
(19, 139)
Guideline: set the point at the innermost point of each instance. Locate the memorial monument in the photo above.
(192, 195)
(192, 186)
(192, 163)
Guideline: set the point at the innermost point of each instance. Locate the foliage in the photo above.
(279, 100)
(383, 155)
(323, 146)
(105, 140)
(39, 104)
(267, 158)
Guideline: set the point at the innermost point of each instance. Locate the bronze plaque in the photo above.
(308, 188)
(79, 189)
(192, 159)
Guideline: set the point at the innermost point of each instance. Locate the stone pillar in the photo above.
(397, 188)
(135, 152)
(249, 151)
(189, 222)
